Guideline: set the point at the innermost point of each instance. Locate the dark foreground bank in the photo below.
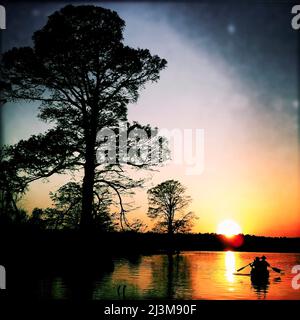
(29, 254)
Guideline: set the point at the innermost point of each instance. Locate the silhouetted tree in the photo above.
(65, 214)
(36, 218)
(167, 204)
(84, 77)
(26, 162)
(12, 187)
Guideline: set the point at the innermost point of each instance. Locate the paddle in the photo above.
(276, 269)
(240, 269)
(273, 268)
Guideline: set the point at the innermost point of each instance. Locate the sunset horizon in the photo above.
(250, 145)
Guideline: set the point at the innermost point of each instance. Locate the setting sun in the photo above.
(229, 228)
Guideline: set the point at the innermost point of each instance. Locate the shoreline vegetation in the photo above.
(119, 243)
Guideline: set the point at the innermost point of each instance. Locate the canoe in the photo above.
(259, 275)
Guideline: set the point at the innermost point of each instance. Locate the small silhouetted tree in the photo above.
(66, 210)
(36, 218)
(12, 187)
(167, 204)
(84, 76)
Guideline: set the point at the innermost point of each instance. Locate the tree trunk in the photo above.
(170, 227)
(170, 221)
(86, 221)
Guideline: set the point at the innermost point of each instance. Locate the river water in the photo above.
(189, 275)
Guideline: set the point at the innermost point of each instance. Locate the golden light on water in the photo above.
(230, 265)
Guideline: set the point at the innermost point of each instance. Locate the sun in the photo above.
(229, 228)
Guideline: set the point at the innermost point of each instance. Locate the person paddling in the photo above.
(256, 264)
(260, 264)
(264, 263)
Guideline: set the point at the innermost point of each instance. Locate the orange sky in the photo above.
(251, 163)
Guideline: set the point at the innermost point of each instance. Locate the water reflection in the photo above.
(190, 275)
(230, 265)
(277, 279)
(175, 276)
(260, 288)
(170, 275)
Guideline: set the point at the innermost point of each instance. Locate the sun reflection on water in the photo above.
(230, 265)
